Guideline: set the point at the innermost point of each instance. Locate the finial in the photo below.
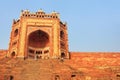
(22, 10)
(40, 10)
(54, 12)
(14, 21)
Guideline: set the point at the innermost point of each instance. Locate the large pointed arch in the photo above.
(38, 44)
(38, 39)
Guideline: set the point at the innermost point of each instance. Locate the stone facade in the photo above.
(38, 35)
(38, 50)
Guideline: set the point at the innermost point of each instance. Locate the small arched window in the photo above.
(11, 77)
(57, 77)
(15, 32)
(73, 77)
(13, 54)
(62, 55)
(62, 35)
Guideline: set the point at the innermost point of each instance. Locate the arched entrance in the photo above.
(13, 54)
(38, 44)
(62, 35)
(62, 55)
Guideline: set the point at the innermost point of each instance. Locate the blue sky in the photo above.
(93, 25)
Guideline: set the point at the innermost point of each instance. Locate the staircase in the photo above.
(31, 69)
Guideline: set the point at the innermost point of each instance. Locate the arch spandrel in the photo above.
(31, 29)
(38, 45)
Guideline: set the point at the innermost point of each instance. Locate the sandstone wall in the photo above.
(3, 53)
(96, 65)
(95, 58)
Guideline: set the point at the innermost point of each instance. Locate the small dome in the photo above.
(40, 12)
(25, 11)
(54, 12)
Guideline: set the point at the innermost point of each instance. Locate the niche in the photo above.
(57, 77)
(15, 32)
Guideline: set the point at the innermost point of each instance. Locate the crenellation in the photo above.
(39, 14)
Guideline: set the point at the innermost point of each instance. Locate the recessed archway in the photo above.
(38, 41)
(62, 55)
(11, 77)
(15, 32)
(62, 34)
(57, 77)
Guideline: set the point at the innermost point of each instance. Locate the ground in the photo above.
(80, 66)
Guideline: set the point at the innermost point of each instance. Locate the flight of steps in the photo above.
(31, 69)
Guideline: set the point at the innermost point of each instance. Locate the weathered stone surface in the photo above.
(3, 53)
(81, 66)
(30, 69)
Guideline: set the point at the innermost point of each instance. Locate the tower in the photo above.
(38, 35)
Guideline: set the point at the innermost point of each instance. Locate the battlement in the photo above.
(39, 14)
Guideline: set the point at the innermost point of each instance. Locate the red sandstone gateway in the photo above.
(38, 35)
(38, 50)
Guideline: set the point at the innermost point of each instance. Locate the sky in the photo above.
(93, 25)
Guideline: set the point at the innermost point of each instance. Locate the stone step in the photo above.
(30, 69)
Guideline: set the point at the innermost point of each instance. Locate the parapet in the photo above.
(39, 14)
